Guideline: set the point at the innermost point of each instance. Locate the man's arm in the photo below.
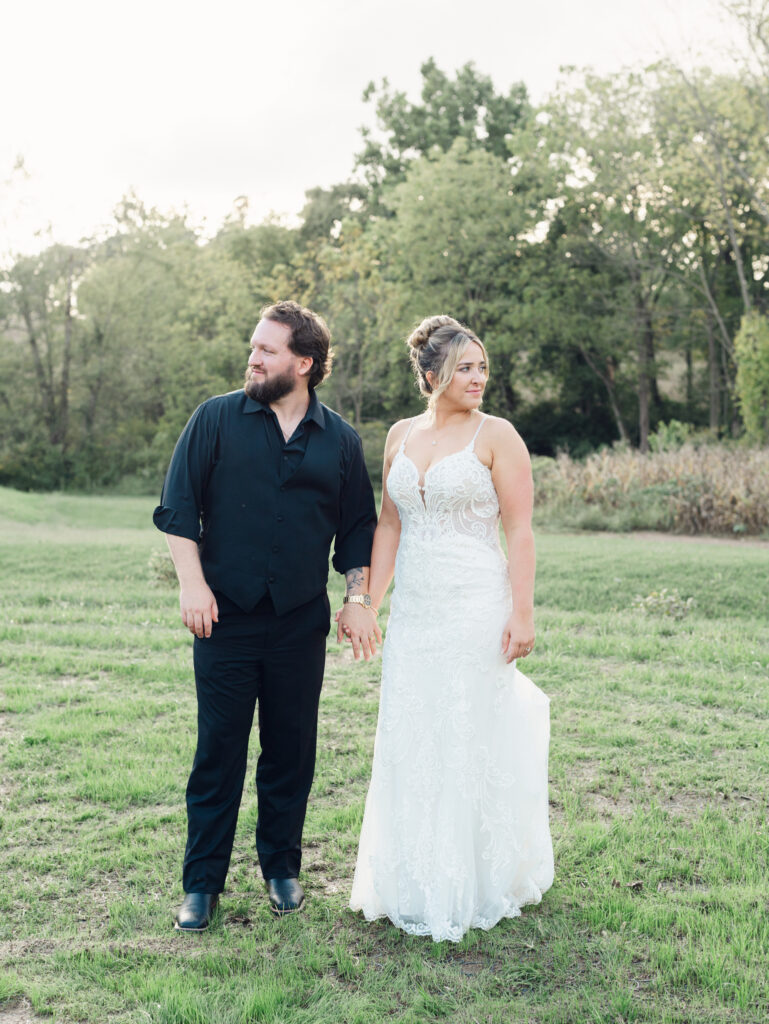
(196, 600)
(352, 551)
(178, 517)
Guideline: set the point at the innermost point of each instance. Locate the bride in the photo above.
(455, 831)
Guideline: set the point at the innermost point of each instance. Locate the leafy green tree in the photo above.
(166, 325)
(710, 129)
(458, 225)
(40, 333)
(258, 248)
(343, 280)
(466, 107)
(619, 213)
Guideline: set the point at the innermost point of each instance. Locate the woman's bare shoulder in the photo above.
(395, 435)
(398, 431)
(497, 428)
(503, 439)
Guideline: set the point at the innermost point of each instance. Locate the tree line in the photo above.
(610, 246)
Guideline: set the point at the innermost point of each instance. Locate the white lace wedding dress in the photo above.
(455, 831)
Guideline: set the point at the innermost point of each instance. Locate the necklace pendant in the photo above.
(435, 442)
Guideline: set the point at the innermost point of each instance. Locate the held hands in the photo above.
(358, 625)
(199, 609)
(518, 636)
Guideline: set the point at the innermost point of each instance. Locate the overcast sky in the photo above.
(195, 103)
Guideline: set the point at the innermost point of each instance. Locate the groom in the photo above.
(260, 483)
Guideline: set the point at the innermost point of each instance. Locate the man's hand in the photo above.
(358, 625)
(199, 609)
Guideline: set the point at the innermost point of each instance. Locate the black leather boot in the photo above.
(195, 912)
(286, 896)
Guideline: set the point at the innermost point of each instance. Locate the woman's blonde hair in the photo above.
(437, 345)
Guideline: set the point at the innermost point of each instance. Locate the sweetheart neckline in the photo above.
(462, 451)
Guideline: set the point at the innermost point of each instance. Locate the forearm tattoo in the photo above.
(354, 579)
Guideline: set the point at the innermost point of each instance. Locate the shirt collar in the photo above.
(314, 409)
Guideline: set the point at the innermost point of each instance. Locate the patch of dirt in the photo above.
(81, 682)
(687, 804)
(695, 884)
(610, 807)
(19, 1014)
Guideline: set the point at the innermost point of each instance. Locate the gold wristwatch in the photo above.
(364, 599)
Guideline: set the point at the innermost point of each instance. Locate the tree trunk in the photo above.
(607, 379)
(643, 395)
(643, 388)
(726, 203)
(44, 381)
(62, 426)
(651, 360)
(689, 377)
(713, 381)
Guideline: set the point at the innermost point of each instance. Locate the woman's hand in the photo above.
(359, 626)
(518, 636)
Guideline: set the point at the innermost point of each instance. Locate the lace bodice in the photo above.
(457, 494)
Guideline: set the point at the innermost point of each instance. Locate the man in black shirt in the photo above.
(260, 483)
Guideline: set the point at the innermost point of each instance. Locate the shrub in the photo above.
(665, 602)
(695, 488)
(751, 348)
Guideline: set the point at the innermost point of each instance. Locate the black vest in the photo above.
(259, 535)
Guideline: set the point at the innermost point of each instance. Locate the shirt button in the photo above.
(275, 549)
(282, 487)
(270, 579)
(280, 518)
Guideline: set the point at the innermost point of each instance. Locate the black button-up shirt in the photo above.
(265, 510)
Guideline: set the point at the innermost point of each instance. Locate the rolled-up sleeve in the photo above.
(357, 521)
(181, 500)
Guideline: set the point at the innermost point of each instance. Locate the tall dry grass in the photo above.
(710, 488)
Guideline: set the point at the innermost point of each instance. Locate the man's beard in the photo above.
(269, 390)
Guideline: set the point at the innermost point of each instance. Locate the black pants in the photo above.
(278, 661)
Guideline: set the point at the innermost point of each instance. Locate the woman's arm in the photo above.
(388, 530)
(511, 475)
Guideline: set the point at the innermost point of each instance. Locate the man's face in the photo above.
(273, 369)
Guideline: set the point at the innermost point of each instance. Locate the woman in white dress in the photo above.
(455, 832)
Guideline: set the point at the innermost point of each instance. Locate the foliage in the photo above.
(606, 245)
(695, 488)
(752, 352)
(668, 603)
(467, 107)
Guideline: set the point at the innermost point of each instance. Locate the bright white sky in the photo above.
(193, 103)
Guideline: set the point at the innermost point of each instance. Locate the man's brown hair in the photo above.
(309, 336)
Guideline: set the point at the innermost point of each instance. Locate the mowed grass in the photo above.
(659, 765)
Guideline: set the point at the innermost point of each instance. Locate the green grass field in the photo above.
(659, 784)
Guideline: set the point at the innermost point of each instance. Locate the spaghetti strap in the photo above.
(472, 443)
(403, 442)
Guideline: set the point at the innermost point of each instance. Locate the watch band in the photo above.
(364, 599)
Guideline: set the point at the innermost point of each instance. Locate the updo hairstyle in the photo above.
(437, 345)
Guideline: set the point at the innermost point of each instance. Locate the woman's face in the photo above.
(467, 385)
